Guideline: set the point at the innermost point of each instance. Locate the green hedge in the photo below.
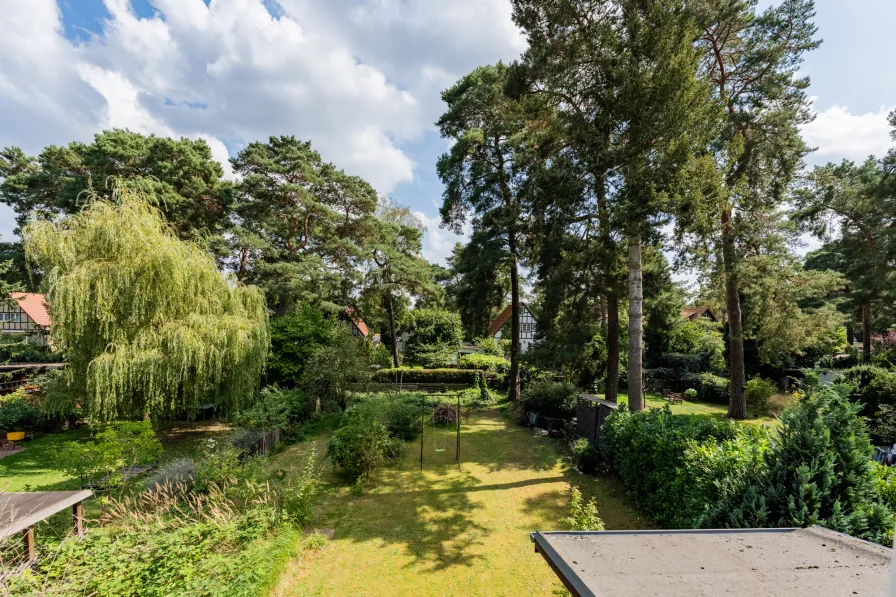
(486, 362)
(409, 375)
(712, 388)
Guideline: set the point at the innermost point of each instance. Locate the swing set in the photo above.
(439, 446)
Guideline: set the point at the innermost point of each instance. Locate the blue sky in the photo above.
(359, 78)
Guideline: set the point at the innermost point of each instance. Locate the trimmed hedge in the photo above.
(485, 362)
(712, 388)
(409, 375)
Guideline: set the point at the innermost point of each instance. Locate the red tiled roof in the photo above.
(695, 312)
(356, 319)
(502, 318)
(34, 305)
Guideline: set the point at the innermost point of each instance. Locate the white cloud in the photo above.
(438, 243)
(839, 134)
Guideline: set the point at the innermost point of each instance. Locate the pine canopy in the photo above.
(146, 321)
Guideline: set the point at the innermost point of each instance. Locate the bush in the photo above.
(551, 399)
(333, 368)
(18, 349)
(883, 349)
(492, 346)
(20, 411)
(885, 485)
(759, 391)
(270, 411)
(585, 456)
(690, 394)
(713, 388)
(874, 386)
(402, 420)
(484, 362)
(410, 375)
(434, 337)
(382, 358)
(360, 447)
(583, 516)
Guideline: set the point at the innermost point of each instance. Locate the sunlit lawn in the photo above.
(688, 407)
(448, 531)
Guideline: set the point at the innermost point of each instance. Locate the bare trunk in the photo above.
(602, 305)
(392, 330)
(635, 324)
(850, 333)
(737, 407)
(866, 332)
(612, 383)
(514, 380)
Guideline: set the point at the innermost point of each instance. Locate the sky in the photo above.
(360, 79)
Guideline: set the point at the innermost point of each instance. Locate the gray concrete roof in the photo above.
(20, 510)
(735, 562)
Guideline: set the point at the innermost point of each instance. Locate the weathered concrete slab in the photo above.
(20, 510)
(733, 562)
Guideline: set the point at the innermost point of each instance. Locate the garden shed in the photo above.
(735, 562)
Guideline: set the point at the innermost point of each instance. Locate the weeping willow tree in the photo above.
(146, 321)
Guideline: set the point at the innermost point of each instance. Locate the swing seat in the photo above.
(440, 449)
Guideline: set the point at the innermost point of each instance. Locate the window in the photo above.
(527, 328)
(9, 316)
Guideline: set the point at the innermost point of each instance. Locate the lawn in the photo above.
(448, 530)
(688, 407)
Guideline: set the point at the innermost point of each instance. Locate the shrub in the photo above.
(382, 358)
(492, 346)
(551, 398)
(690, 394)
(484, 362)
(270, 411)
(713, 388)
(402, 420)
(874, 386)
(883, 349)
(585, 456)
(885, 484)
(410, 375)
(583, 516)
(759, 391)
(20, 411)
(360, 447)
(434, 337)
(883, 425)
(179, 470)
(333, 368)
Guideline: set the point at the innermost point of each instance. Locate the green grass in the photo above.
(448, 530)
(688, 407)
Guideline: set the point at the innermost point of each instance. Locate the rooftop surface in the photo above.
(733, 562)
(20, 510)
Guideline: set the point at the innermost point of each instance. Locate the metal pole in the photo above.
(422, 427)
(457, 446)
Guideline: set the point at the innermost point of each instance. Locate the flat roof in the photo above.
(22, 509)
(733, 562)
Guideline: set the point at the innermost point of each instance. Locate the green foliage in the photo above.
(434, 337)
(361, 446)
(491, 346)
(270, 411)
(885, 485)
(146, 321)
(690, 394)
(19, 349)
(699, 337)
(550, 398)
(583, 515)
(179, 470)
(295, 337)
(484, 362)
(883, 349)
(20, 411)
(382, 358)
(412, 375)
(883, 424)
(333, 368)
(713, 388)
(758, 393)
(119, 445)
(874, 387)
(585, 455)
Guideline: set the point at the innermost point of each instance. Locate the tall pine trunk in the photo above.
(635, 324)
(392, 330)
(514, 381)
(866, 332)
(737, 407)
(612, 384)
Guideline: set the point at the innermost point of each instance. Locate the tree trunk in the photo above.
(737, 407)
(514, 380)
(635, 324)
(602, 305)
(612, 383)
(866, 332)
(850, 333)
(392, 330)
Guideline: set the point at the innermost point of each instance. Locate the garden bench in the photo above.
(673, 397)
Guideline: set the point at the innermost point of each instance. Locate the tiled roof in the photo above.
(502, 318)
(694, 312)
(34, 305)
(356, 319)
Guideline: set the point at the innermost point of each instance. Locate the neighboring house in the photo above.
(359, 328)
(27, 315)
(501, 326)
(695, 313)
